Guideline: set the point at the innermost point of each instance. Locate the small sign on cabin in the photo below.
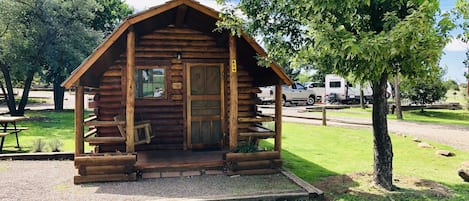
(233, 66)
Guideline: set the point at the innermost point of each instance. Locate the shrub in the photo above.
(55, 145)
(38, 145)
(245, 148)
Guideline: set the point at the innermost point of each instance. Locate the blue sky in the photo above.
(454, 52)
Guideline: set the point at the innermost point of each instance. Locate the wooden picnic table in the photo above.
(5, 130)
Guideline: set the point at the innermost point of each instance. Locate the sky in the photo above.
(454, 52)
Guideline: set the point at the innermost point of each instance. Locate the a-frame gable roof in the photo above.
(107, 48)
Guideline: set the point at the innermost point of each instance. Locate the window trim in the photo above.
(166, 81)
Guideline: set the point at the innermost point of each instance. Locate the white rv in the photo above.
(338, 90)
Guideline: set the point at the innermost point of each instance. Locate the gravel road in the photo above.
(452, 135)
(53, 180)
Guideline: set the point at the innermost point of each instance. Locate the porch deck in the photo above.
(178, 160)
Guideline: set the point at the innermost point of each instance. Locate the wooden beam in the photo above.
(79, 115)
(180, 15)
(130, 98)
(278, 118)
(233, 118)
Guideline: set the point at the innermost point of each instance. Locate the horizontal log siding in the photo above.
(247, 98)
(167, 115)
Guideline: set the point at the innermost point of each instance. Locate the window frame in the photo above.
(166, 81)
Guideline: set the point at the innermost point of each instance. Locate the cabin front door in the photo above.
(204, 106)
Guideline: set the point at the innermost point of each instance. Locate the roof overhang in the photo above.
(87, 74)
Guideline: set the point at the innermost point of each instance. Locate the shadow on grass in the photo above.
(359, 186)
(14, 150)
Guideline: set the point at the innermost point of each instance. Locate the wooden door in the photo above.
(205, 110)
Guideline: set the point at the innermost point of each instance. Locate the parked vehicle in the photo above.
(294, 94)
(339, 90)
(267, 95)
(297, 93)
(318, 89)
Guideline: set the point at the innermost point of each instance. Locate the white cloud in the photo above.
(141, 5)
(456, 45)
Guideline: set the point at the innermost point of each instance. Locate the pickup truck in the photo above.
(294, 94)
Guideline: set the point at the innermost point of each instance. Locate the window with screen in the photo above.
(150, 83)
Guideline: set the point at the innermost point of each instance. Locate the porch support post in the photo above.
(79, 117)
(233, 117)
(130, 98)
(278, 117)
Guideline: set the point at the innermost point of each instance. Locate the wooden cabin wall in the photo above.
(159, 48)
(247, 98)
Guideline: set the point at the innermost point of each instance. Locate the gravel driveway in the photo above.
(53, 180)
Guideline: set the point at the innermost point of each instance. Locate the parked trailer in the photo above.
(339, 90)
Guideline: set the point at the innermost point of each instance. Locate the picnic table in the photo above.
(13, 129)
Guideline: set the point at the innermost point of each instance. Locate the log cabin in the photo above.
(172, 95)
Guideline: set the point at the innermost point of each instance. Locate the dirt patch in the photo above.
(360, 185)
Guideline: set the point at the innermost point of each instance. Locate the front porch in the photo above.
(171, 163)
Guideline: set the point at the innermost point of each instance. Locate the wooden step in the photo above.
(105, 140)
(257, 134)
(255, 119)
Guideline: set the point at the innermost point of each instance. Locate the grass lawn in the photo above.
(459, 117)
(47, 126)
(315, 153)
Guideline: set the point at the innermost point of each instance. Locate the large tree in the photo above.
(21, 43)
(69, 40)
(425, 89)
(109, 14)
(76, 28)
(368, 39)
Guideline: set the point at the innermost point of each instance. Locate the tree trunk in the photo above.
(25, 95)
(362, 96)
(10, 96)
(382, 142)
(397, 97)
(59, 92)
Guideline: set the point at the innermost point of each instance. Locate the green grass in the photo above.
(439, 116)
(459, 117)
(458, 96)
(47, 125)
(316, 152)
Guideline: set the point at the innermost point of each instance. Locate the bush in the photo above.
(55, 145)
(39, 145)
(245, 148)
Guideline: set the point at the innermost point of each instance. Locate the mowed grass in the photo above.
(45, 125)
(438, 116)
(316, 152)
